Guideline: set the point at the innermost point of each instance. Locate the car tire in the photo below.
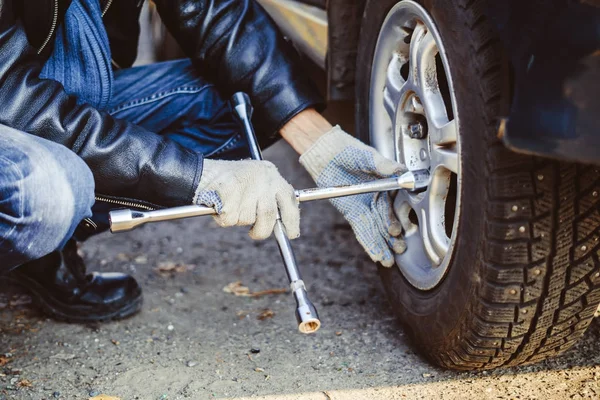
(523, 281)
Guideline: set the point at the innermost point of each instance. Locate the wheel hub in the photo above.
(414, 120)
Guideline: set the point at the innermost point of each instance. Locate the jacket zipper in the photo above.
(106, 7)
(52, 28)
(124, 203)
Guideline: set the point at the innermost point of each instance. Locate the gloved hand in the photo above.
(249, 192)
(337, 159)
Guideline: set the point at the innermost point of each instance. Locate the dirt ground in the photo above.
(195, 341)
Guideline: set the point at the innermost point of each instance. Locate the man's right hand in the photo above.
(249, 192)
(338, 159)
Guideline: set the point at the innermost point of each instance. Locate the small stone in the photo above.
(512, 291)
(255, 350)
(522, 229)
(141, 260)
(524, 311)
(595, 193)
(597, 274)
(537, 272)
(94, 393)
(56, 394)
(338, 333)
(540, 177)
(515, 208)
(192, 363)
(258, 369)
(426, 375)
(583, 248)
(170, 327)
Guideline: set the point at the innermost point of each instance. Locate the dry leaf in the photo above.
(171, 268)
(237, 289)
(266, 313)
(240, 290)
(24, 383)
(104, 397)
(4, 360)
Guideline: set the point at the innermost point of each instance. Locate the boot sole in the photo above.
(68, 313)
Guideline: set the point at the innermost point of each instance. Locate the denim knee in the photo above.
(49, 190)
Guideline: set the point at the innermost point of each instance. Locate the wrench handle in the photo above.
(240, 102)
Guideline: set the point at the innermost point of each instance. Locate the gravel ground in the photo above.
(193, 340)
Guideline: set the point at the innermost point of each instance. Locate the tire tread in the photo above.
(540, 269)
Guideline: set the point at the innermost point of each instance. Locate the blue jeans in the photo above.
(170, 99)
(46, 190)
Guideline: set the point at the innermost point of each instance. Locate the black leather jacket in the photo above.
(232, 42)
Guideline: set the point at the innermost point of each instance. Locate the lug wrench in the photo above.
(306, 313)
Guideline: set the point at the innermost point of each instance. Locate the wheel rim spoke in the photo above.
(422, 56)
(446, 157)
(431, 213)
(394, 83)
(447, 134)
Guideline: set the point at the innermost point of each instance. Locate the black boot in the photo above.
(60, 286)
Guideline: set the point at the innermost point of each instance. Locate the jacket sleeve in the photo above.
(126, 160)
(236, 44)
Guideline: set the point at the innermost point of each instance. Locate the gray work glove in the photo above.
(249, 192)
(337, 159)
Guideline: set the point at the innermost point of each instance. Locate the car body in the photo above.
(553, 48)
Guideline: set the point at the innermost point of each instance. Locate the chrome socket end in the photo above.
(414, 180)
(125, 220)
(306, 313)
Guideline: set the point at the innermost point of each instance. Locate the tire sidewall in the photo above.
(434, 317)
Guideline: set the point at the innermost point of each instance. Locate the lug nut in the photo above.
(417, 131)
